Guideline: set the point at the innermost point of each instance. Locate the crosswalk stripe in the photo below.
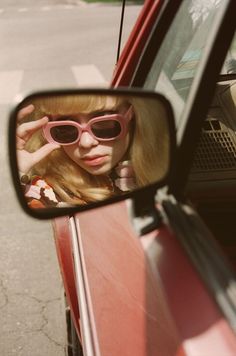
(23, 9)
(88, 75)
(14, 81)
(69, 7)
(10, 82)
(45, 8)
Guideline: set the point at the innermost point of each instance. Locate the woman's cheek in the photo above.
(72, 151)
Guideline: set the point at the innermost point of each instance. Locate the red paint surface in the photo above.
(130, 311)
(64, 255)
(202, 328)
(144, 306)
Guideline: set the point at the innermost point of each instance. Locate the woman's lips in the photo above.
(94, 160)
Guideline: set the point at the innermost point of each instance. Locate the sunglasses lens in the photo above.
(64, 134)
(106, 129)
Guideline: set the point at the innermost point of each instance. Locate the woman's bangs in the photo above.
(73, 104)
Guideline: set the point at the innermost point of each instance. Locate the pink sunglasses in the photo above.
(102, 128)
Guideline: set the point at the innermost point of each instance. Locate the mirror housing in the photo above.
(140, 105)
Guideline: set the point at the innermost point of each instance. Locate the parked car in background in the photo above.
(155, 274)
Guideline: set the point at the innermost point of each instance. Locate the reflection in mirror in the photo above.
(75, 149)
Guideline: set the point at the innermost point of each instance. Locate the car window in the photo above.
(179, 58)
(229, 66)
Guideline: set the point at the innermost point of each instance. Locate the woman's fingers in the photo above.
(25, 111)
(27, 129)
(43, 152)
(27, 160)
(20, 143)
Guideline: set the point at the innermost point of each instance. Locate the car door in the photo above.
(188, 78)
(191, 93)
(146, 295)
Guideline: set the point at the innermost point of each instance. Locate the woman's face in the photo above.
(94, 156)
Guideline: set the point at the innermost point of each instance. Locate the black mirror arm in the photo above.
(143, 212)
(121, 29)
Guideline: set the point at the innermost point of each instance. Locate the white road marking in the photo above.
(45, 8)
(68, 7)
(88, 75)
(10, 82)
(23, 9)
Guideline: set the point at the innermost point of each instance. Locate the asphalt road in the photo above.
(44, 44)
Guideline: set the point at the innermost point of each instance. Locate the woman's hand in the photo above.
(27, 160)
(126, 180)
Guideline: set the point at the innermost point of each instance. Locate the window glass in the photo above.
(229, 66)
(178, 59)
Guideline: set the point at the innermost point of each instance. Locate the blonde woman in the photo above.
(78, 149)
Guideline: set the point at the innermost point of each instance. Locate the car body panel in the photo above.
(62, 238)
(200, 324)
(124, 296)
(142, 302)
(144, 293)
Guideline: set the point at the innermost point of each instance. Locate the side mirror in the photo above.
(74, 150)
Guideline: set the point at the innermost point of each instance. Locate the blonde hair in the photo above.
(147, 152)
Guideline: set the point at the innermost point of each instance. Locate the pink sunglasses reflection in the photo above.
(102, 128)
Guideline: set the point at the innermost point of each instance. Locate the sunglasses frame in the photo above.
(122, 119)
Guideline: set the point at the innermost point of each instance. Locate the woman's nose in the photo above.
(87, 140)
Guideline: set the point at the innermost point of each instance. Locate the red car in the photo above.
(166, 285)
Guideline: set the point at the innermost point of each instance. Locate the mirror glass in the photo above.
(80, 148)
